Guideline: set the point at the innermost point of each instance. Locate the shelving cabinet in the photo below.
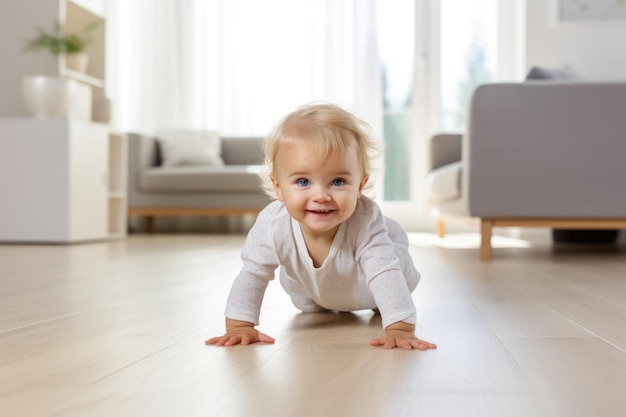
(61, 181)
(76, 17)
(117, 174)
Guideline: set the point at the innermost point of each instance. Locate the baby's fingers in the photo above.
(378, 342)
(231, 339)
(226, 340)
(423, 345)
(212, 341)
(406, 344)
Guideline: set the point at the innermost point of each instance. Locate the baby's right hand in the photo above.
(239, 332)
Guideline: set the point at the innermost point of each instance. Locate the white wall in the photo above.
(593, 49)
(97, 7)
(18, 23)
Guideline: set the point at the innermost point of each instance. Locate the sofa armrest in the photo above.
(546, 149)
(444, 149)
(143, 152)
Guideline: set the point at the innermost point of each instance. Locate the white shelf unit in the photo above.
(61, 181)
(93, 82)
(118, 163)
(20, 22)
(76, 17)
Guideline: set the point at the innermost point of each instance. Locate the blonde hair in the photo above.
(329, 129)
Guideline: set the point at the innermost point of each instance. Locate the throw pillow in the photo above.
(190, 147)
(542, 73)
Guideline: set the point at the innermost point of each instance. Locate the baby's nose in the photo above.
(321, 194)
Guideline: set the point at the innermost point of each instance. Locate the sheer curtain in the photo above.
(238, 66)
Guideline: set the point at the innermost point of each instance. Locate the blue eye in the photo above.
(303, 182)
(337, 182)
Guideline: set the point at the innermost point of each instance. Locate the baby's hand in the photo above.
(402, 335)
(239, 332)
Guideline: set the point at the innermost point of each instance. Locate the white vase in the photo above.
(77, 62)
(47, 97)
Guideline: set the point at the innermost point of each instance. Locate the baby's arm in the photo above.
(402, 335)
(239, 332)
(397, 309)
(246, 295)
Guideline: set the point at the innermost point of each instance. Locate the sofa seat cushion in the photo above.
(182, 179)
(444, 183)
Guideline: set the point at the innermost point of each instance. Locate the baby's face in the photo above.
(319, 193)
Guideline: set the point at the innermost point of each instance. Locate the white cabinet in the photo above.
(60, 181)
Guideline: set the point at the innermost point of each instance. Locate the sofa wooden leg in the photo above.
(149, 224)
(485, 239)
(441, 227)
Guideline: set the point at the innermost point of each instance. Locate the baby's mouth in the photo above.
(320, 211)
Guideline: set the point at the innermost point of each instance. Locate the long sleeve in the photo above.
(393, 298)
(259, 263)
(383, 272)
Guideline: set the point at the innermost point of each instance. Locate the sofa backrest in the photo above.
(242, 150)
(145, 152)
(546, 150)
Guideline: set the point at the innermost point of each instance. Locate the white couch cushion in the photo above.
(190, 147)
(444, 183)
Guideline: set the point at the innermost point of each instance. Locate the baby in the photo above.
(335, 248)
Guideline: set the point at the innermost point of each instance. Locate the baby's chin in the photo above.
(319, 227)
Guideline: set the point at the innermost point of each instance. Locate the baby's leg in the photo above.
(299, 296)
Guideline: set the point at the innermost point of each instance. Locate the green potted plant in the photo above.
(48, 96)
(58, 42)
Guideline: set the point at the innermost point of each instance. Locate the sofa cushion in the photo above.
(444, 183)
(184, 179)
(190, 147)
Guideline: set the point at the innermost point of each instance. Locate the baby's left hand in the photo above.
(402, 335)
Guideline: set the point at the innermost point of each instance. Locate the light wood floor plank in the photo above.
(448, 404)
(576, 377)
(598, 316)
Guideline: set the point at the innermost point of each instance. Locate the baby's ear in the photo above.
(363, 183)
(279, 193)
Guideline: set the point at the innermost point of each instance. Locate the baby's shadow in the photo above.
(335, 319)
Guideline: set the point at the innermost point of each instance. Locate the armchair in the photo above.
(535, 154)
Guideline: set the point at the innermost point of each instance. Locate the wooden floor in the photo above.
(118, 329)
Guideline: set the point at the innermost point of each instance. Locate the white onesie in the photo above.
(368, 266)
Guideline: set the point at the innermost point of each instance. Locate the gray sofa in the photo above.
(537, 154)
(230, 189)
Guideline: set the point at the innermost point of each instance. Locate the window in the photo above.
(433, 55)
(396, 40)
(468, 55)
